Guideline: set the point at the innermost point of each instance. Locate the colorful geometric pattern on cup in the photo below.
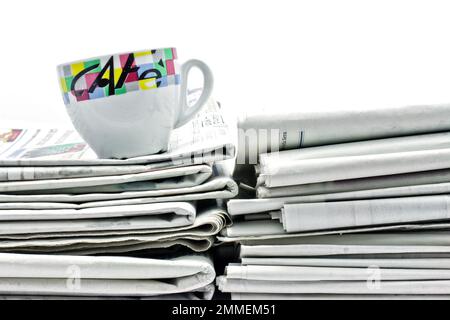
(118, 74)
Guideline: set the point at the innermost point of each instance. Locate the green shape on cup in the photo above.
(122, 90)
(107, 93)
(117, 91)
(91, 63)
(69, 83)
(168, 54)
(162, 69)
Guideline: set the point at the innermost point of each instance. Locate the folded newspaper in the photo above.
(168, 225)
(331, 270)
(78, 276)
(306, 217)
(287, 222)
(264, 132)
(355, 160)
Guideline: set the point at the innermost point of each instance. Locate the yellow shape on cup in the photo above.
(77, 68)
(147, 84)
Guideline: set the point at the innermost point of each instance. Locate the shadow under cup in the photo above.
(124, 105)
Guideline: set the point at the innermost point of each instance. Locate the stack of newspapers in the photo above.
(360, 205)
(61, 202)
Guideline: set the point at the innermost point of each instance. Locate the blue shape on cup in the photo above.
(97, 94)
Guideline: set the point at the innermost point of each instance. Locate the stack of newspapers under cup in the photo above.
(66, 217)
(359, 207)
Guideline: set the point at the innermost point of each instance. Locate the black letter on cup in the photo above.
(79, 93)
(100, 82)
(127, 69)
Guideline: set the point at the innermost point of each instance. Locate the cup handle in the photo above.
(186, 112)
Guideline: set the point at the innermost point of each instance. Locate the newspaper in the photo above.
(386, 237)
(262, 228)
(179, 177)
(65, 172)
(379, 146)
(164, 211)
(340, 194)
(349, 214)
(322, 250)
(270, 132)
(395, 192)
(129, 217)
(241, 207)
(215, 188)
(355, 160)
(428, 287)
(296, 273)
(192, 243)
(390, 263)
(281, 296)
(198, 236)
(338, 269)
(102, 276)
(418, 183)
(205, 293)
(209, 137)
(269, 232)
(285, 173)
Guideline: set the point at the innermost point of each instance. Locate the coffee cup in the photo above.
(126, 105)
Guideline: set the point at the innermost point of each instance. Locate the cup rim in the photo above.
(59, 66)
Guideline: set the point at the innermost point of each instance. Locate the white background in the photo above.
(283, 54)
